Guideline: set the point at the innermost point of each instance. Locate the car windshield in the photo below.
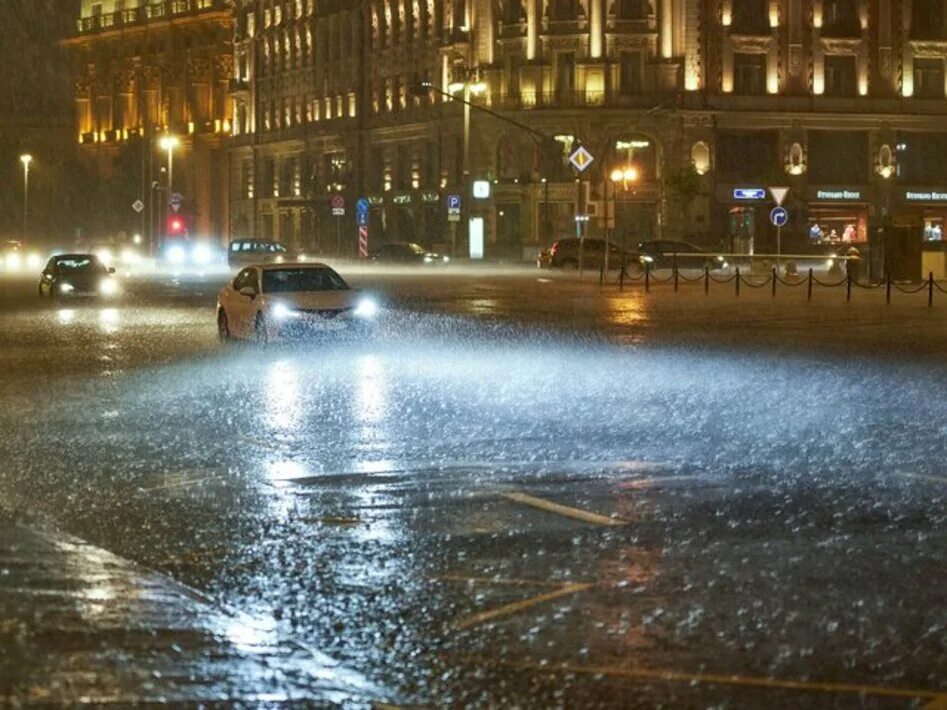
(308, 279)
(80, 264)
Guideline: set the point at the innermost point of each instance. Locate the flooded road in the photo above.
(522, 491)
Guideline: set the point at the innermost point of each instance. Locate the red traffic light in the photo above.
(176, 225)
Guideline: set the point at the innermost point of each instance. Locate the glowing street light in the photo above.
(26, 159)
(169, 143)
(625, 175)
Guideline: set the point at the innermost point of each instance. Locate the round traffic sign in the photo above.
(779, 217)
(338, 202)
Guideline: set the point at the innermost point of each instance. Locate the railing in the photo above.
(848, 279)
(152, 11)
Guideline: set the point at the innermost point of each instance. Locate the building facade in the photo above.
(146, 70)
(708, 101)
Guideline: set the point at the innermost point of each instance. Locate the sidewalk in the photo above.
(80, 625)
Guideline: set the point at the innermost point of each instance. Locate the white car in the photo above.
(277, 301)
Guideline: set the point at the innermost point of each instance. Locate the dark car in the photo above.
(406, 253)
(564, 254)
(77, 275)
(249, 252)
(666, 254)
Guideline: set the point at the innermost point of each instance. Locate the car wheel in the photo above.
(259, 330)
(223, 326)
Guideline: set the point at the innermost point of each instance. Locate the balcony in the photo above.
(162, 10)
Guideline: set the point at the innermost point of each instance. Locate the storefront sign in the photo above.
(839, 195)
(749, 193)
(925, 196)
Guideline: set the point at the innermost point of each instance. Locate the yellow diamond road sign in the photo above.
(581, 158)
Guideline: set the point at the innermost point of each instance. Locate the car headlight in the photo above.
(14, 261)
(281, 311)
(176, 255)
(66, 288)
(446, 259)
(428, 258)
(202, 254)
(108, 287)
(34, 261)
(647, 259)
(366, 308)
(105, 256)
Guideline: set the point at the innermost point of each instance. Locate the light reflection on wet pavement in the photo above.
(403, 505)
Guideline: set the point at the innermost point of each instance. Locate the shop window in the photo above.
(838, 157)
(749, 74)
(638, 151)
(746, 156)
(921, 157)
(927, 19)
(631, 66)
(840, 18)
(840, 75)
(929, 78)
(750, 17)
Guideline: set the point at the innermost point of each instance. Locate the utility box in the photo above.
(903, 239)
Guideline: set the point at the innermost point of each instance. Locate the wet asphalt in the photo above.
(524, 491)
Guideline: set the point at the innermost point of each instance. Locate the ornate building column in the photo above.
(596, 28)
(532, 28)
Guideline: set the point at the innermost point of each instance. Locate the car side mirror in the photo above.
(248, 291)
(111, 269)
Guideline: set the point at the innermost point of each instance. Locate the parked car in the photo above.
(68, 275)
(279, 301)
(245, 252)
(564, 254)
(406, 253)
(665, 254)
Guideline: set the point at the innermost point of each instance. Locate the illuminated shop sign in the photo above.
(847, 195)
(925, 196)
(749, 193)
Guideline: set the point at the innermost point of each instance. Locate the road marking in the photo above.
(516, 607)
(747, 681)
(181, 481)
(564, 510)
(501, 582)
(923, 477)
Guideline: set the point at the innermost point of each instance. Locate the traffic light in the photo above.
(176, 226)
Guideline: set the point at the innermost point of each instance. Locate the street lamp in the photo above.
(626, 175)
(26, 159)
(169, 143)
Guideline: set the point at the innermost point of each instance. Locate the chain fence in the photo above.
(675, 277)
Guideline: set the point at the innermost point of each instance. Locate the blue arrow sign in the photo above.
(779, 217)
(361, 217)
(362, 205)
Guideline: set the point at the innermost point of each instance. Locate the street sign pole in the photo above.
(338, 236)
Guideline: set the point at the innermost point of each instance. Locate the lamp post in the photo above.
(26, 159)
(625, 175)
(469, 88)
(168, 143)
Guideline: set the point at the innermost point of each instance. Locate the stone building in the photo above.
(147, 69)
(703, 103)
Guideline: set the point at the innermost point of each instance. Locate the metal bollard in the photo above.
(675, 278)
(737, 281)
(888, 289)
(601, 272)
(647, 278)
(774, 281)
(809, 287)
(930, 289)
(706, 280)
(848, 288)
(621, 279)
